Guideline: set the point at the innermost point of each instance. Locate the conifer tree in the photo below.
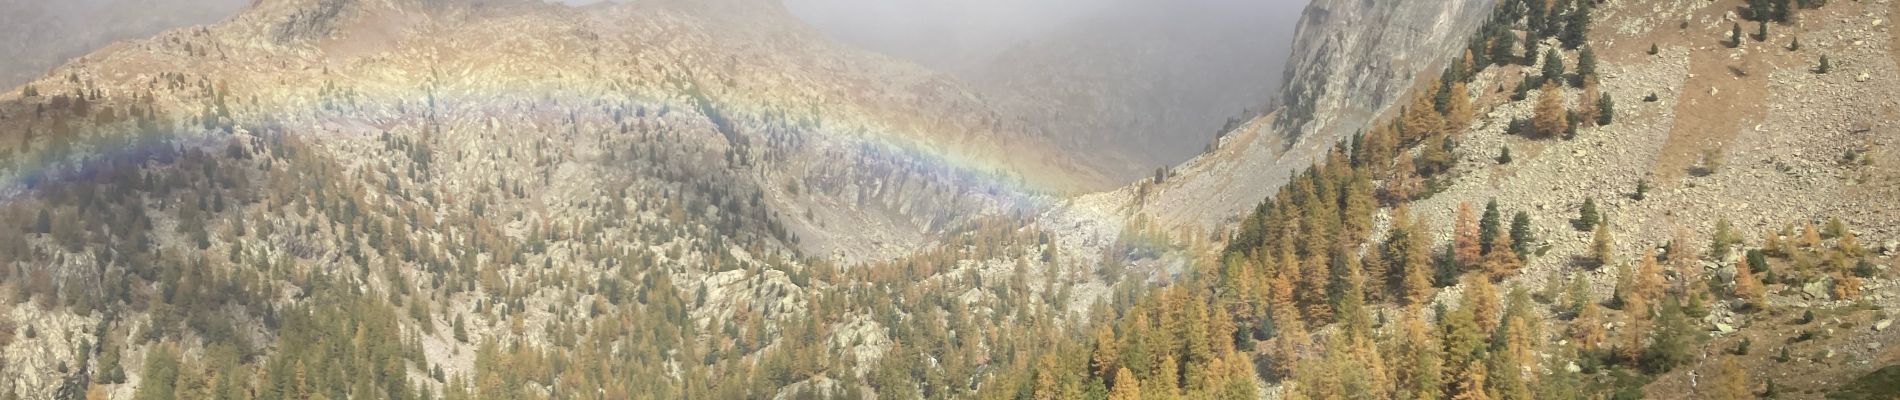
(1577, 29)
(1735, 35)
(1503, 261)
(1731, 381)
(1553, 66)
(1549, 117)
(1602, 246)
(1127, 387)
(1673, 340)
(1587, 328)
(1421, 120)
(1481, 297)
(1421, 378)
(1521, 236)
(1647, 285)
(1587, 216)
(1469, 384)
(1606, 111)
(1458, 112)
(1465, 244)
(1417, 281)
(1490, 225)
(1825, 66)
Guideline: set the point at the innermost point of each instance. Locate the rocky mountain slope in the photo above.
(450, 178)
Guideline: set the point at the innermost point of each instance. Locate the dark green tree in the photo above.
(1577, 29)
(1488, 225)
(1606, 110)
(1553, 65)
(1587, 217)
(1521, 234)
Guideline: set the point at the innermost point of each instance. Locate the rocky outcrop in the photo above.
(1351, 61)
(1353, 58)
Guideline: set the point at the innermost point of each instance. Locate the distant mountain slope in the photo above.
(41, 35)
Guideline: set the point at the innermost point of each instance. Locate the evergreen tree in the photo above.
(1673, 340)
(1735, 35)
(1606, 110)
(1586, 65)
(160, 375)
(1553, 66)
(1504, 49)
(1489, 226)
(1504, 155)
(1577, 30)
(1825, 66)
(1521, 234)
(1587, 217)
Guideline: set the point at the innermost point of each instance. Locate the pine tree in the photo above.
(1735, 36)
(1825, 66)
(1587, 217)
(1794, 45)
(1521, 236)
(1490, 225)
(1553, 66)
(1606, 111)
(1673, 340)
(1724, 238)
(1504, 49)
(1586, 65)
(160, 375)
(1653, 50)
(1577, 30)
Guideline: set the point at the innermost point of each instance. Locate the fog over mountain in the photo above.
(1150, 81)
(37, 35)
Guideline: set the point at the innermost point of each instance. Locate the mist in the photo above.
(954, 34)
(1150, 80)
(38, 35)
